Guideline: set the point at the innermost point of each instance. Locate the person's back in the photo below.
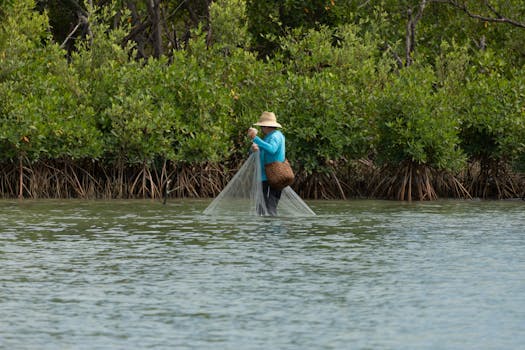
(272, 148)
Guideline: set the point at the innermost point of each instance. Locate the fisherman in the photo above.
(271, 149)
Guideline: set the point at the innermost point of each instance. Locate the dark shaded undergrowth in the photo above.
(358, 179)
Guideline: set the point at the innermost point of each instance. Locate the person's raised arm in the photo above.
(272, 146)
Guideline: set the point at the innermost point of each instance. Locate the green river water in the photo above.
(360, 275)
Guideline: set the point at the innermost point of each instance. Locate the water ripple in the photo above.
(360, 275)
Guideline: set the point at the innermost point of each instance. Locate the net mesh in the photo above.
(243, 195)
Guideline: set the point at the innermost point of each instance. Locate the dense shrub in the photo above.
(338, 91)
(44, 114)
(493, 132)
(414, 123)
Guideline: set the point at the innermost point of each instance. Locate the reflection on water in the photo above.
(359, 275)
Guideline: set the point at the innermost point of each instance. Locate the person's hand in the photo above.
(255, 148)
(252, 132)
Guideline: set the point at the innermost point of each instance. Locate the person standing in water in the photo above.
(271, 149)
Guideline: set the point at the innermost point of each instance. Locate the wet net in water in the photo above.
(243, 195)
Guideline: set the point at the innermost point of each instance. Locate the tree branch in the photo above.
(153, 7)
(411, 30)
(81, 21)
(498, 19)
(398, 59)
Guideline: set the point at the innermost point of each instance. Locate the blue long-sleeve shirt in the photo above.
(271, 149)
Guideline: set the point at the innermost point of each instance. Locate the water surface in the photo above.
(359, 275)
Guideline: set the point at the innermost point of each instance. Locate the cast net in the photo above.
(243, 195)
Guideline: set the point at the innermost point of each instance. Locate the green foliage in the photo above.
(43, 113)
(228, 22)
(4, 4)
(322, 122)
(353, 58)
(268, 20)
(253, 87)
(493, 117)
(149, 109)
(452, 68)
(327, 86)
(414, 123)
(139, 129)
(442, 22)
(243, 86)
(202, 128)
(336, 88)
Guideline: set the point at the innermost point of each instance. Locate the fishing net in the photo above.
(243, 195)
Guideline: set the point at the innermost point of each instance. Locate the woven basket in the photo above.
(279, 174)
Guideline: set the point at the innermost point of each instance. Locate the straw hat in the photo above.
(268, 119)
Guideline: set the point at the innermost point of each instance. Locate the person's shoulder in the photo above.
(277, 135)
